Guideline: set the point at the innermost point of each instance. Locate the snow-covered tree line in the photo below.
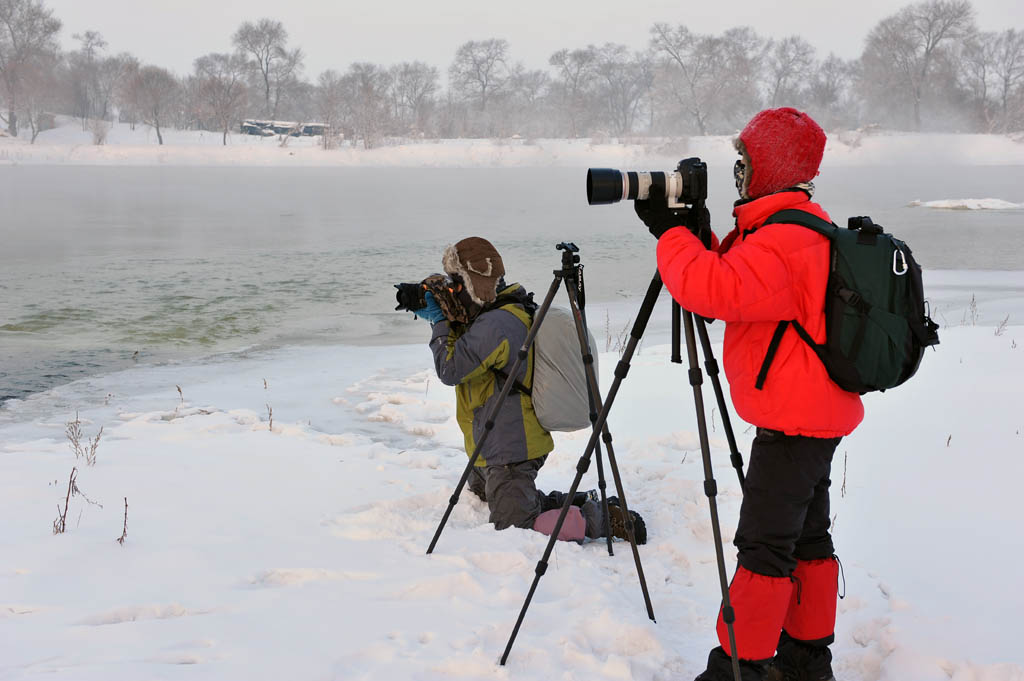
(925, 67)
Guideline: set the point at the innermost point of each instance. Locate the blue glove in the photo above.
(432, 311)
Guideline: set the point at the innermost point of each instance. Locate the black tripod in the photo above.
(600, 426)
(570, 270)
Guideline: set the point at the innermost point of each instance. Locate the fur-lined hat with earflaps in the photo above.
(781, 148)
(479, 265)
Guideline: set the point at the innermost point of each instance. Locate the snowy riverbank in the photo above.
(69, 144)
(297, 551)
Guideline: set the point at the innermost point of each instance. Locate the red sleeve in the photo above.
(750, 283)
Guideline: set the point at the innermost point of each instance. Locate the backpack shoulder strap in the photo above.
(500, 303)
(826, 229)
(792, 216)
(516, 385)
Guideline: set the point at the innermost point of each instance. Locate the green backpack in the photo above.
(876, 318)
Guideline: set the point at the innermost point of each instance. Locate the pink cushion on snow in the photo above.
(573, 529)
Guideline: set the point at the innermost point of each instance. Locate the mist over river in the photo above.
(103, 267)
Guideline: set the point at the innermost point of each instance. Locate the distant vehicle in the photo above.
(283, 127)
(260, 128)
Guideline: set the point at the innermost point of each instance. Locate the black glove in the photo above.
(698, 221)
(659, 218)
(655, 213)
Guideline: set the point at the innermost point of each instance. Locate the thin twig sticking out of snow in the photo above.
(124, 531)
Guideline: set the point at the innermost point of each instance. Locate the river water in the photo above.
(105, 267)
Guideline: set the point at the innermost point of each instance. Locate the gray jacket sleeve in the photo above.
(484, 345)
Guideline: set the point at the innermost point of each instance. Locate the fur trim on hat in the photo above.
(481, 282)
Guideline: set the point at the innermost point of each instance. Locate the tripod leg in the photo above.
(489, 419)
(621, 370)
(710, 486)
(602, 485)
(607, 436)
(711, 365)
(594, 399)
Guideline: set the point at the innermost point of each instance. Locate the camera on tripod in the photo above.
(687, 185)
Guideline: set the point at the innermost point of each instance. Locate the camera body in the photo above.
(687, 185)
(444, 289)
(411, 296)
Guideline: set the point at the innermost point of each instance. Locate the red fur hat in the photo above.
(782, 148)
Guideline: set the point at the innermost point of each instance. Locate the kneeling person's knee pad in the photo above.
(573, 529)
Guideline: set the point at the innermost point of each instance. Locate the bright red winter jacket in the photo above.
(758, 277)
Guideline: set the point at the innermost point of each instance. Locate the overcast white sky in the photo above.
(334, 33)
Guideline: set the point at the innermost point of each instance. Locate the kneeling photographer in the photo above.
(478, 322)
(785, 587)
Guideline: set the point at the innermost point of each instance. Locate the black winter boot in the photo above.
(796, 660)
(720, 668)
(554, 500)
(617, 521)
(581, 498)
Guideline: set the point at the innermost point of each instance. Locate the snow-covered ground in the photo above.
(69, 144)
(297, 552)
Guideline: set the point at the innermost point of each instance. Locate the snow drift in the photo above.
(297, 550)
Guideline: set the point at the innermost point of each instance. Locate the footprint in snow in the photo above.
(298, 576)
(141, 612)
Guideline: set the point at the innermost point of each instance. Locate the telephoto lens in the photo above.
(606, 185)
(686, 185)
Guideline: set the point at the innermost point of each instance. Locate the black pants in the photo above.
(785, 511)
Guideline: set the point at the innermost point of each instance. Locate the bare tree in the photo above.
(221, 88)
(84, 74)
(276, 67)
(977, 62)
(285, 78)
(479, 70)
(1008, 71)
(155, 92)
(414, 85)
(95, 78)
(828, 92)
(40, 85)
(126, 94)
(624, 79)
(902, 48)
(367, 86)
(575, 73)
(789, 64)
(525, 96)
(745, 52)
(695, 70)
(110, 72)
(27, 30)
(331, 96)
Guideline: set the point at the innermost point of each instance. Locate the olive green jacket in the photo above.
(465, 356)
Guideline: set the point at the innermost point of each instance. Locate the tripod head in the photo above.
(572, 270)
(569, 254)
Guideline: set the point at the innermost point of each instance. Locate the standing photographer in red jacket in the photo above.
(785, 588)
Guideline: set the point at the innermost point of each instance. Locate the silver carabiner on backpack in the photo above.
(897, 257)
